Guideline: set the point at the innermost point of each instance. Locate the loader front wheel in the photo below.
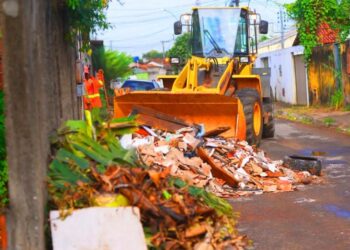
(252, 109)
(269, 125)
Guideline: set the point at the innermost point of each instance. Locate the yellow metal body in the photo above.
(201, 94)
(194, 101)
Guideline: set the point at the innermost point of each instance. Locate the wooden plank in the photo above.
(216, 170)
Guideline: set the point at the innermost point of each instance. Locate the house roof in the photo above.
(326, 34)
(277, 39)
(150, 64)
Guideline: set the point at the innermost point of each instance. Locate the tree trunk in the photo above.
(39, 84)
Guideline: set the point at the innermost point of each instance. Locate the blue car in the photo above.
(140, 85)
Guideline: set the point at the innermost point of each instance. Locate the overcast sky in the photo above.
(141, 25)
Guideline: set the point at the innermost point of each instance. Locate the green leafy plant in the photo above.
(114, 63)
(152, 54)
(78, 153)
(337, 99)
(86, 17)
(263, 38)
(328, 121)
(181, 48)
(310, 14)
(306, 120)
(3, 163)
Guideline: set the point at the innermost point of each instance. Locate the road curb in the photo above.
(310, 120)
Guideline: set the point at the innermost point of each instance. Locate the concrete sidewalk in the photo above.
(319, 116)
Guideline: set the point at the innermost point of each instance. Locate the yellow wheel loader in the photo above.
(216, 87)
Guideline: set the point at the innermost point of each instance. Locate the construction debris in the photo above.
(226, 167)
(174, 178)
(175, 214)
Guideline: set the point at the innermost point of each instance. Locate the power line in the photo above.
(142, 36)
(148, 14)
(173, 7)
(142, 20)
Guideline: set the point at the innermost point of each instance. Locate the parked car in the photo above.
(137, 85)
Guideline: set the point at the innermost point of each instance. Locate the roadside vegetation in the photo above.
(181, 48)
(310, 14)
(114, 63)
(314, 115)
(3, 164)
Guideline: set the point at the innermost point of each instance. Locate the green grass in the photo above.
(307, 120)
(328, 121)
(337, 99)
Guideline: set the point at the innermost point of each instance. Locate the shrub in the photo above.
(3, 163)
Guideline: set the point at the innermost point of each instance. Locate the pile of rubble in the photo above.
(174, 176)
(87, 171)
(175, 215)
(225, 167)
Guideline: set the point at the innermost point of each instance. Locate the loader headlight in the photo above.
(174, 60)
(244, 59)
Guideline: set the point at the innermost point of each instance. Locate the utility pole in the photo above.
(163, 52)
(281, 17)
(163, 49)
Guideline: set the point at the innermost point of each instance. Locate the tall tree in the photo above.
(152, 54)
(117, 64)
(310, 14)
(181, 48)
(114, 63)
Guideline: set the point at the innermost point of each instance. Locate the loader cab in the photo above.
(224, 32)
(220, 32)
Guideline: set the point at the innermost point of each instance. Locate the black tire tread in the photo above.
(248, 97)
(269, 128)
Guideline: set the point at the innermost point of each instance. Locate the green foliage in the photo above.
(86, 17)
(181, 48)
(114, 63)
(306, 120)
(78, 154)
(263, 38)
(342, 21)
(309, 14)
(3, 185)
(328, 121)
(98, 58)
(220, 205)
(337, 99)
(3, 164)
(152, 54)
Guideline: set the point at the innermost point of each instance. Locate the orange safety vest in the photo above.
(100, 75)
(92, 97)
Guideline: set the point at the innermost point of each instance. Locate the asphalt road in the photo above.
(316, 217)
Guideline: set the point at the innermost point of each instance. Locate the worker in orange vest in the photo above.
(100, 75)
(92, 86)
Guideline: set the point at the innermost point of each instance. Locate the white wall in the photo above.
(282, 72)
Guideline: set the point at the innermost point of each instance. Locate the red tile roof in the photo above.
(326, 34)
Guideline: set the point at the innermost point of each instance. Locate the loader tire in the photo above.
(269, 127)
(252, 109)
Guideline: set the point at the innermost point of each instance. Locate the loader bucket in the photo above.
(212, 110)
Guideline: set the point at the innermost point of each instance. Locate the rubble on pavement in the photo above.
(174, 176)
(89, 172)
(225, 167)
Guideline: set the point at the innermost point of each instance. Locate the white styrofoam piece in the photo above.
(98, 228)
